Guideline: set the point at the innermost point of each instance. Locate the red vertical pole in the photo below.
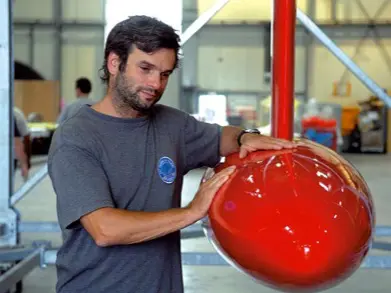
(283, 68)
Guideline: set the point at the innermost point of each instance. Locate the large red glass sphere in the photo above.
(295, 220)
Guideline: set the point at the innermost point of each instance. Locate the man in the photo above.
(83, 89)
(117, 169)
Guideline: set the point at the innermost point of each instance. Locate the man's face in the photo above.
(142, 83)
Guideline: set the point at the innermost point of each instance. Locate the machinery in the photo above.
(365, 127)
(41, 136)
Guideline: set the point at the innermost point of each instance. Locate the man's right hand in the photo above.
(205, 194)
(25, 171)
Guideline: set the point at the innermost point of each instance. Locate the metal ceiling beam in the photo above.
(202, 20)
(336, 30)
(343, 58)
(252, 34)
(23, 23)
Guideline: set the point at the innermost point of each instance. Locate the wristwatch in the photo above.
(244, 131)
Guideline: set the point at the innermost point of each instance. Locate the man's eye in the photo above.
(144, 68)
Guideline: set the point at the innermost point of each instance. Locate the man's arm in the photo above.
(250, 142)
(111, 226)
(20, 152)
(63, 115)
(83, 197)
(28, 148)
(22, 125)
(229, 136)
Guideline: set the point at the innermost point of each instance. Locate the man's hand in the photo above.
(25, 171)
(253, 142)
(203, 198)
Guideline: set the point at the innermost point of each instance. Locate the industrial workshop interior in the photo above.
(310, 76)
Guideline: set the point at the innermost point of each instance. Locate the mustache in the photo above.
(149, 91)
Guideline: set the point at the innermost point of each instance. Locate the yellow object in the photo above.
(349, 119)
(45, 125)
(267, 102)
(265, 109)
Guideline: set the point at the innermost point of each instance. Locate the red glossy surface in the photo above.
(294, 220)
(283, 68)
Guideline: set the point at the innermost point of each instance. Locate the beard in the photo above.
(126, 95)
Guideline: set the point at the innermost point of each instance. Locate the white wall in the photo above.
(82, 48)
(37, 9)
(83, 10)
(240, 69)
(326, 68)
(233, 59)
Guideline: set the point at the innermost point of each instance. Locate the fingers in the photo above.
(278, 143)
(283, 143)
(221, 177)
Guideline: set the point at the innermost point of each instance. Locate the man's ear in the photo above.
(113, 63)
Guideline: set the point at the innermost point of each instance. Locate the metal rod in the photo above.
(283, 75)
(19, 271)
(341, 56)
(31, 47)
(370, 21)
(215, 259)
(333, 9)
(68, 24)
(383, 231)
(57, 61)
(14, 254)
(309, 52)
(6, 104)
(29, 185)
(39, 227)
(193, 231)
(202, 20)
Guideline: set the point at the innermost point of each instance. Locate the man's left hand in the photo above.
(253, 142)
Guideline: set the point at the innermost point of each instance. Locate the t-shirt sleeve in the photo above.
(22, 123)
(202, 143)
(63, 115)
(80, 184)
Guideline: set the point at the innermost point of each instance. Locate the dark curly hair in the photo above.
(147, 33)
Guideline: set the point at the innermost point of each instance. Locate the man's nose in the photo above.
(155, 81)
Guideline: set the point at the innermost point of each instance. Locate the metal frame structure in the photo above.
(25, 259)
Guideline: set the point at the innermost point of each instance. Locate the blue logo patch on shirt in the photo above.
(167, 170)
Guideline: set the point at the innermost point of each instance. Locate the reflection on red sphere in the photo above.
(294, 219)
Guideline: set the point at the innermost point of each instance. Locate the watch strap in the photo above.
(244, 131)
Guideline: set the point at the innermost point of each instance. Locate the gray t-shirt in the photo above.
(73, 108)
(138, 164)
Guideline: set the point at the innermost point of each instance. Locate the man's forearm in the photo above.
(19, 151)
(229, 138)
(110, 226)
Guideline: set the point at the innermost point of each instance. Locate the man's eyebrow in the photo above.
(143, 62)
(150, 65)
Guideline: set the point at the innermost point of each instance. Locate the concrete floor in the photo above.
(40, 205)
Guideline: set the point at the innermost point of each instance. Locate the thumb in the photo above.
(243, 153)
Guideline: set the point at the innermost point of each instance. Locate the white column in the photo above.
(7, 215)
